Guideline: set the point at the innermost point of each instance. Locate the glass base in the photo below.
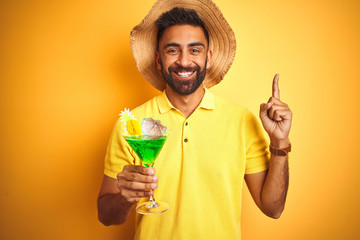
(150, 208)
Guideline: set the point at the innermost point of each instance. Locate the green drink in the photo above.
(146, 147)
(147, 141)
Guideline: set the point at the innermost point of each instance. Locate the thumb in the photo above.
(263, 109)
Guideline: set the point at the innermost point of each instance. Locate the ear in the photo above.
(209, 56)
(157, 60)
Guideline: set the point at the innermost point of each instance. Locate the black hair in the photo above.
(179, 16)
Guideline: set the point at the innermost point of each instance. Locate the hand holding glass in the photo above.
(148, 148)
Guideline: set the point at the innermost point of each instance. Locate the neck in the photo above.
(186, 104)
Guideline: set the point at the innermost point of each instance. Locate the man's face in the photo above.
(183, 57)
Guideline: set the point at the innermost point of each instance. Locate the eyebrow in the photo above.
(196, 44)
(171, 45)
(178, 45)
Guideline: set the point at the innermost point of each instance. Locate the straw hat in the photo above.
(222, 40)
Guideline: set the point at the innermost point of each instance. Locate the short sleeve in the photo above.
(118, 153)
(257, 153)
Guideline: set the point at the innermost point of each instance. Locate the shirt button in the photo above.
(185, 140)
(186, 123)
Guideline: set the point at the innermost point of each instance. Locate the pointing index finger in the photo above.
(275, 87)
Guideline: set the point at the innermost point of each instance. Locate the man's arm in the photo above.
(269, 188)
(118, 196)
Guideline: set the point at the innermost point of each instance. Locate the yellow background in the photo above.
(66, 71)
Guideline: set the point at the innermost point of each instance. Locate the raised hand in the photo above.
(276, 117)
(136, 182)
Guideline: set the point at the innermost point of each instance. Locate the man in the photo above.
(213, 145)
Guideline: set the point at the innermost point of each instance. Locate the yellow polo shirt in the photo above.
(200, 168)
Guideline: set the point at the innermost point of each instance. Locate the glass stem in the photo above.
(152, 197)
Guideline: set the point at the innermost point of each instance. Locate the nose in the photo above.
(184, 59)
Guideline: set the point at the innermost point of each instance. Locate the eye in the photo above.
(195, 51)
(172, 51)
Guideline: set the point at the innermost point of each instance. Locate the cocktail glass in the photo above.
(148, 148)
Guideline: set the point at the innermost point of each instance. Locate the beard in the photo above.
(184, 87)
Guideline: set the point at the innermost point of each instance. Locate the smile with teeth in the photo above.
(184, 74)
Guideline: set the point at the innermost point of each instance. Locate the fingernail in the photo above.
(151, 171)
(155, 178)
(153, 185)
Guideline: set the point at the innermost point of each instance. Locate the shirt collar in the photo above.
(165, 105)
(208, 101)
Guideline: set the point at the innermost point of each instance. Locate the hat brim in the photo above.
(222, 40)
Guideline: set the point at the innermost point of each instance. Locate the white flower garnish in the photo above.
(126, 115)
